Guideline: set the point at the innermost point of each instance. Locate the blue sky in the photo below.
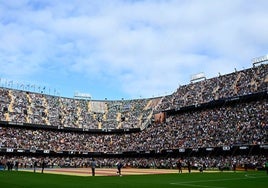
(126, 49)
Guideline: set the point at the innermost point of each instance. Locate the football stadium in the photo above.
(209, 133)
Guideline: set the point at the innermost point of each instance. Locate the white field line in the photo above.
(192, 183)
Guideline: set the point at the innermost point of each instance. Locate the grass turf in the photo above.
(205, 180)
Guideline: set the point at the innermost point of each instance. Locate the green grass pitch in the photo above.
(203, 180)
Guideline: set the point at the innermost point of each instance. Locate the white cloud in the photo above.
(146, 47)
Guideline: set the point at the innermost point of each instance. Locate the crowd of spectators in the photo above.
(238, 83)
(35, 108)
(239, 124)
(208, 162)
(243, 123)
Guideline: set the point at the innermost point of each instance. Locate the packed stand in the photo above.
(207, 162)
(35, 108)
(240, 124)
(238, 83)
